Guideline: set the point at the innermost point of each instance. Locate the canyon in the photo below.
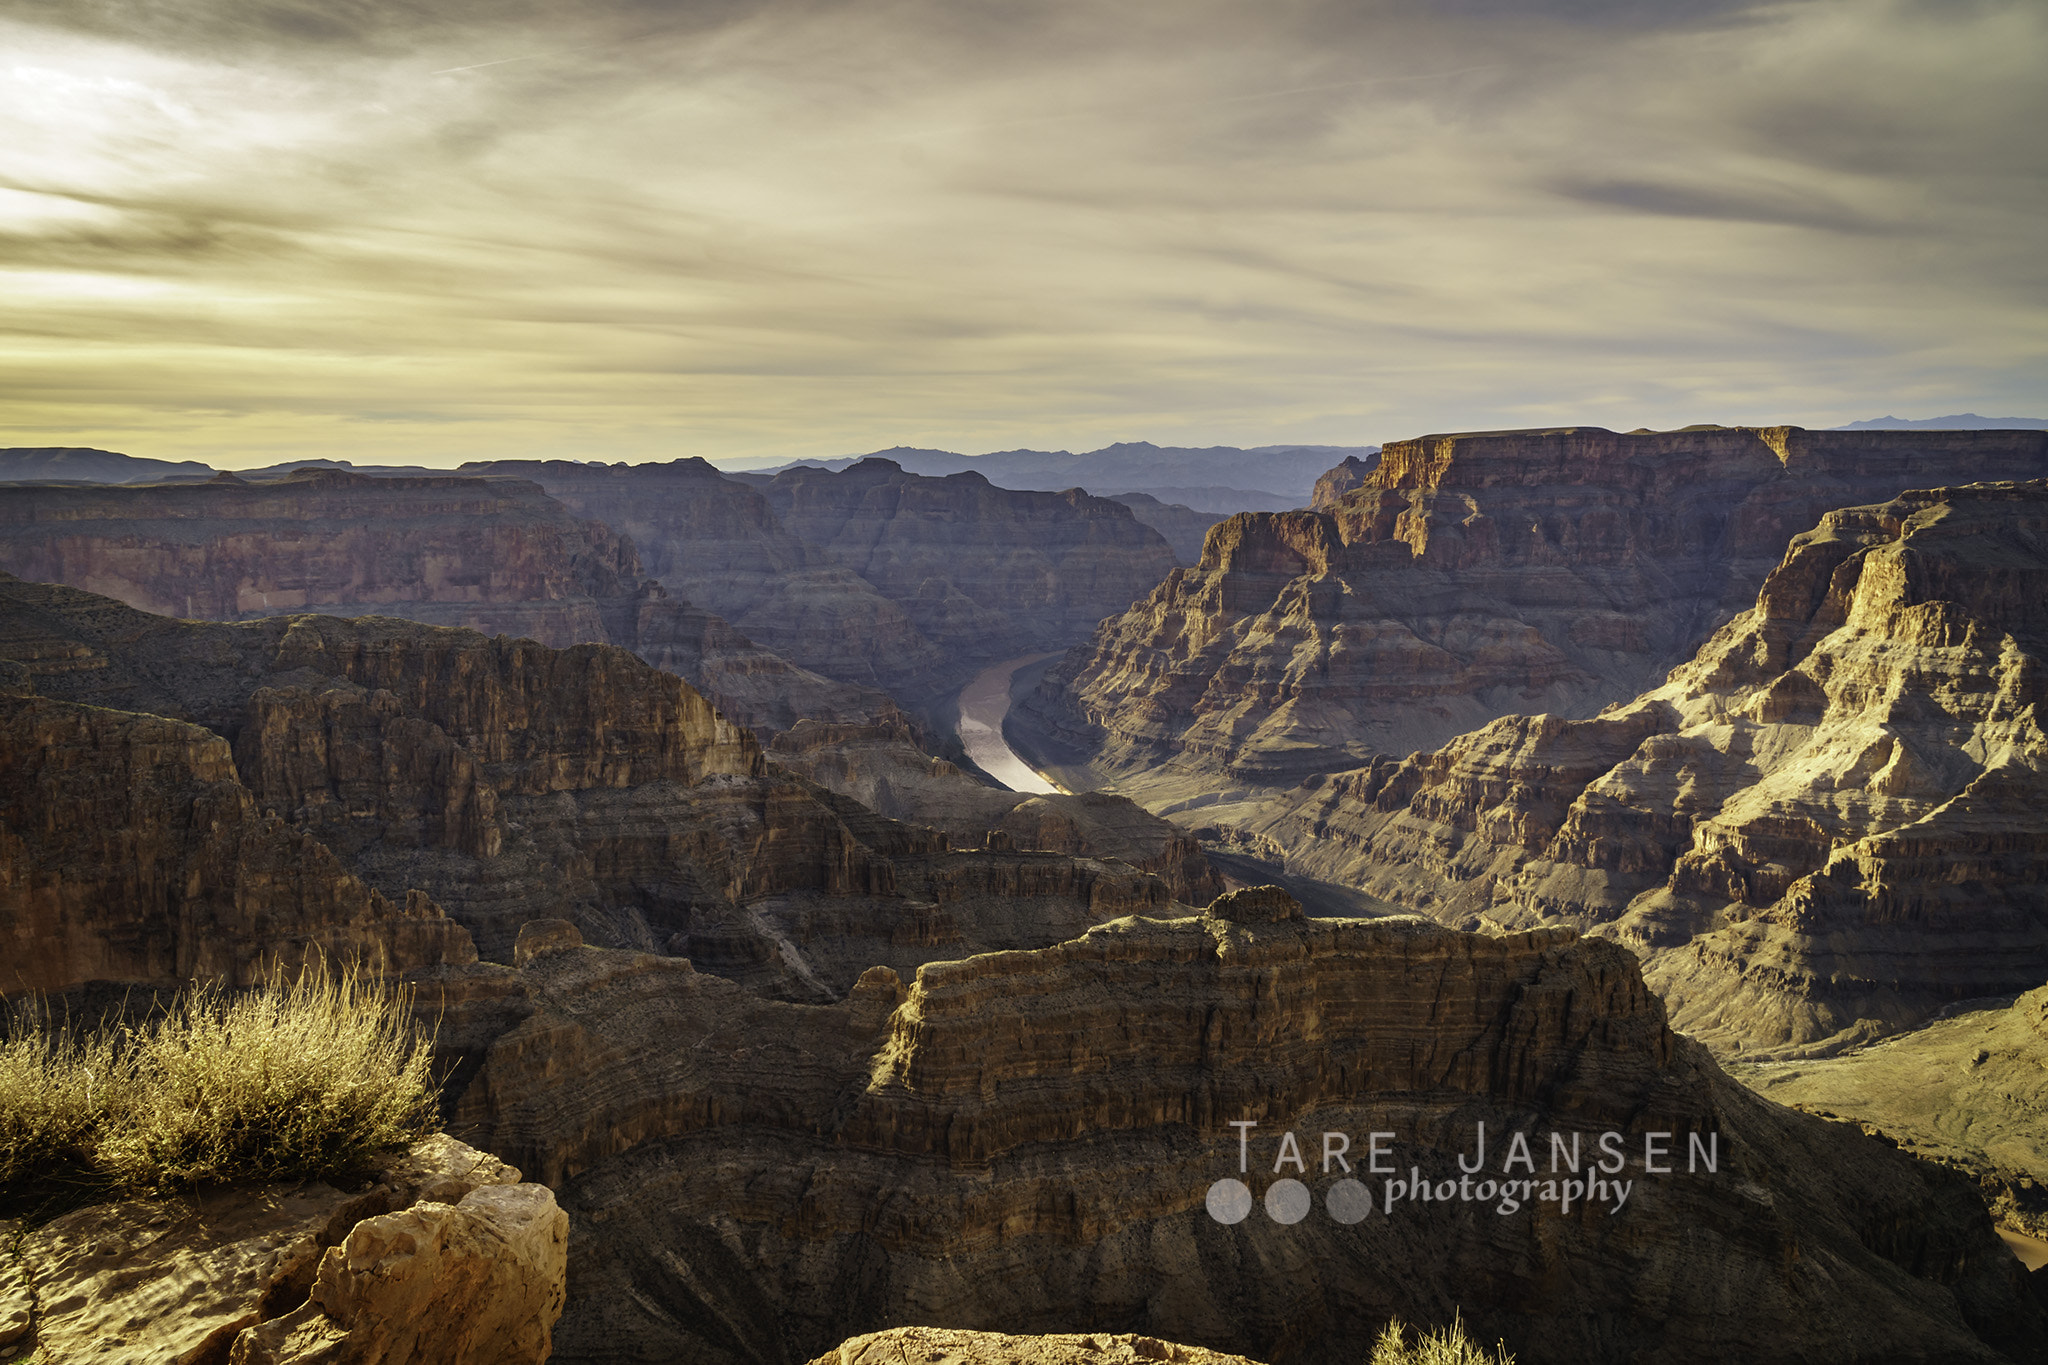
(1817, 831)
(871, 575)
(497, 553)
(811, 1034)
(1467, 577)
(440, 772)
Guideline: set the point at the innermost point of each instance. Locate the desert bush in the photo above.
(294, 1080)
(57, 1088)
(1445, 1346)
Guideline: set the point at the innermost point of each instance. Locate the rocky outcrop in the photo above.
(749, 685)
(873, 576)
(509, 782)
(132, 852)
(883, 768)
(1819, 830)
(993, 1348)
(442, 1256)
(1029, 1141)
(1334, 484)
(1469, 577)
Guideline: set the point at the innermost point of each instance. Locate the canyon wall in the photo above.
(497, 555)
(1466, 578)
(882, 767)
(1822, 828)
(1026, 1141)
(871, 575)
(131, 851)
(509, 782)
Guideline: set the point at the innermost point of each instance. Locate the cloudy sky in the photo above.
(433, 230)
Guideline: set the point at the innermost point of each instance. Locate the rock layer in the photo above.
(871, 575)
(494, 554)
(1819, 830)
(225, 1276)
(1467, 577)
(132, 852)
(882, 767)
(1024, 1142)
(510, 782)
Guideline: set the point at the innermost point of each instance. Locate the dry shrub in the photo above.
(57, 1089)
(1445, 1346)
(290, 1081)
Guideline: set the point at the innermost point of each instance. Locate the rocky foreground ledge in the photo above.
(444, 1257)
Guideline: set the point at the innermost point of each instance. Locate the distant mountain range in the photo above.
(1218, 480)
(81, 464)
(1962, 421)
(1221, 479)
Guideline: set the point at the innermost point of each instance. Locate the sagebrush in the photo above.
(295, 1080)
(1445, 1346)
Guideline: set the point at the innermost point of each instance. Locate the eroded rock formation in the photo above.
(442, 1256)
(496, 555)
(1819, 830)
(882, 767)
(1026, 1141)
(504, 780)
(1335, 483)
(872, 575)
(131, 851)
(1468, 577)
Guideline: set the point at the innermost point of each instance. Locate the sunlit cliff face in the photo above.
(245, 230)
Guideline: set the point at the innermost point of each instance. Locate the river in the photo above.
(983, 704)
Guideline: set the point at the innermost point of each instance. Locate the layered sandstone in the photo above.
(883, 768)
(719, 543)
(1025, 1142)
(1819, 830)
(1468, 577)
(986, 573)
(289, 1275)
(132, 852)
(871, 575)
(509, 782)
(496, 555)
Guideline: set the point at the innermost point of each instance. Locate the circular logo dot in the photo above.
(1348, 1202)
(1287, 1201)
(1229, 1201)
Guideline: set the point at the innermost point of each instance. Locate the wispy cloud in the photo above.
(244, 229)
